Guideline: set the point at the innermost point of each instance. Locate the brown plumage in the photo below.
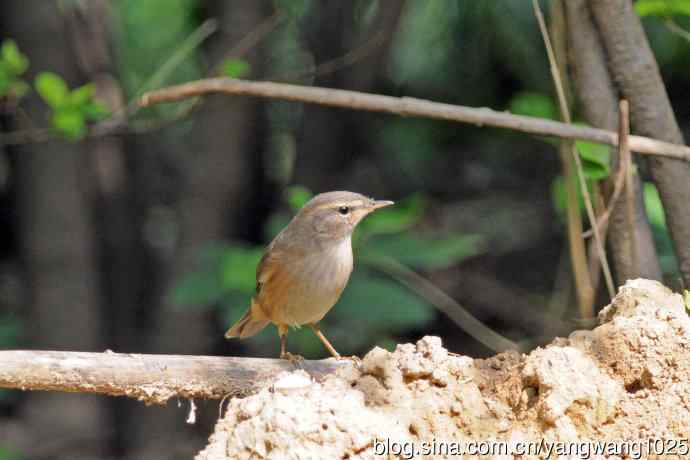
(306, 267)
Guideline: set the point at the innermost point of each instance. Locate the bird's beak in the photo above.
(381, 204)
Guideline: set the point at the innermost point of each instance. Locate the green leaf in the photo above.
(652, 202)
(686, 299)
(534, 105)
(236, 68)
(595, 159)
(394, 219)
(297, 196)
(663, 8)
(81, 96)
(52, 89)
(198, 288)
(95, 111)
(427, 253)
(70, 123)
(13, 59)
(559, 195)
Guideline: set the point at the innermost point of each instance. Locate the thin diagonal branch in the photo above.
(446, 304)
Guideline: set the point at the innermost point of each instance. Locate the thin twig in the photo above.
(603, 221)
(576, 157)
(252, 39)
(582, 273)
(407, 106)
(446, 304)
(625, 158)
(676, 29)
(338, 63)
(196, 38)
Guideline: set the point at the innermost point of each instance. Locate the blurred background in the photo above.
(139, 230)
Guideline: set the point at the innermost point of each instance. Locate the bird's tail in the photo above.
(251, 323)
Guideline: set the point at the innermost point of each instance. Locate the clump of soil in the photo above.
(628, 379)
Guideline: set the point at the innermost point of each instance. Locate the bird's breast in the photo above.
(318, 280)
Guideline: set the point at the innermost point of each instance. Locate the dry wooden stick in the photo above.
(407, 106)
(582, 275)
(626, 164)
(152, 379)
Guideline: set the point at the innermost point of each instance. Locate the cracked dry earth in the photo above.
(628, 379)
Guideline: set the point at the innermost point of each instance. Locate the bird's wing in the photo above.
(275, 277)
(274, 281)
(261, 272)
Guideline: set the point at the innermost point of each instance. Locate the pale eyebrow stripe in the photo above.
(354, 204)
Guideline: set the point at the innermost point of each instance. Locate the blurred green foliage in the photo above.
(423, 44)
(144, 48)
(13, 64)
(662, 239)
(236, 68)
(8, 453)
(662, 7)
(70, 109)
(226, 279)
(596, 160)
(432, 38)
(534, 105)
(10, 330)
(596, 165)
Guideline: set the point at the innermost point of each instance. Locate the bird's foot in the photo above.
(297, 360)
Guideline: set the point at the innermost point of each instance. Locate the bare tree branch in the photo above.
(152, 379)
(599, 103)
(636, 73)
(565, 113)
(408, 106)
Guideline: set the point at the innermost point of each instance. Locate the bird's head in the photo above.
(333, 216)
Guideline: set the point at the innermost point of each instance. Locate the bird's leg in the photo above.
(283, 332)
(329, 347)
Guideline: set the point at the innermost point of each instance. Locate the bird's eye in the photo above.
(344, 210)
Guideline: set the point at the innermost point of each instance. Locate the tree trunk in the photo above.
(57, 244)
(122, 271)
(637, 76)
(599, 102)
(217, 175)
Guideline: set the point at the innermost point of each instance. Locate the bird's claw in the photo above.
(297, 360)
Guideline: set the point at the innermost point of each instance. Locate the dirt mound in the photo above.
(627, 382)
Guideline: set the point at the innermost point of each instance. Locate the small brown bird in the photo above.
(306, 267)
